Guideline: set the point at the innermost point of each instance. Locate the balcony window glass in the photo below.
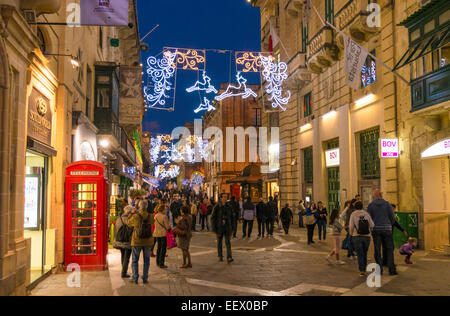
(307, 107)
(115, 96)
(415, 35)
(429, 27)
(445, 17)
(103, 97)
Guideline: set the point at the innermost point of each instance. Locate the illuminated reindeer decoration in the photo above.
(241, 90)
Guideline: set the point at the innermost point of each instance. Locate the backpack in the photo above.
(124, 233)
(363, 226)
(145, 229)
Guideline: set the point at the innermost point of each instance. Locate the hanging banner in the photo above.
(131, 109)
(104, 12)
(355, 59)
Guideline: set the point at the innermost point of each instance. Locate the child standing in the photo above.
(337, 229)
(408, 249)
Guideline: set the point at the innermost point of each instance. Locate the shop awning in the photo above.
(424, 47)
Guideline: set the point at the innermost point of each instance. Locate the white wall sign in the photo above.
(389, 148)
(438, 150)
(333, 158)
(31, 202)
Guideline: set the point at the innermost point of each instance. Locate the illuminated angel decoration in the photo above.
(206, 106)
(160, 72)
(203, 86)
(275, 75)
(234, 91)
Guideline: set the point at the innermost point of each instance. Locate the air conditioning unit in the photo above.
(30, 16)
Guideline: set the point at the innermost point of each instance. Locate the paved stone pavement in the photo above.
(282, 266)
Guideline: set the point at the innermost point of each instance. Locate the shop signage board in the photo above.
(39, 118)
(333, 158)
(389, 148)
(104, 12)
(439, 149)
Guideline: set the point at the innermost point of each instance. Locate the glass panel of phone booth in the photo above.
(84, 219)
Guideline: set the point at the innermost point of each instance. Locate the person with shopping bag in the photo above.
(183, 231)
(162, 226)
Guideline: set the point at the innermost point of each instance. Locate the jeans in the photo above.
(161, 252)
(203, 220)
(322, 226)
(351, 246)
(125, 255)
(248, 224)
(234, 224)
(408, 255)
(227, 244)
(135, 262)
(300, 221)
(362, 245)
(384, 239)
(270, 223)
(286, 227)
(310, 229)
(261, 227)
(194, 222)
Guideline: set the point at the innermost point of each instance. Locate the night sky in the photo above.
(200, 24)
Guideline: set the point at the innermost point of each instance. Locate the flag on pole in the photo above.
(355, 58)
(104, 12)
(306, 11)
(274, 35)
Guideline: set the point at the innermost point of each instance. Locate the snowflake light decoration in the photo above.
(275, 74)
(160, 72)
(234, 91)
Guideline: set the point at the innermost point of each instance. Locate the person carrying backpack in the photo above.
(122, 239)
(142, 240)
(360, 227)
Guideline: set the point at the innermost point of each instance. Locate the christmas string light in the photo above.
(250, 62)
(234, 91)
(275, 75)
(203, 86)
(160, 72)
(206, 106)
(188, 59)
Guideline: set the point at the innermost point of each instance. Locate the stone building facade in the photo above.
(330, 135)
(47, 114)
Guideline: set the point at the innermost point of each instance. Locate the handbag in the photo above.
(171, 240)
(310, 220)
(345, 244)
(125, 233)
(180, 229)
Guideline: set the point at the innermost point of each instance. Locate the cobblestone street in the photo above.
(282, 266)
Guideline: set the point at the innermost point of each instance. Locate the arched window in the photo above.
(42, 42)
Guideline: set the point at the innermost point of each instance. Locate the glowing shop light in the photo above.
(160, 72)
(203, 86)
(368, 99)
(235, 91)
(329, 115)
(305, 128)
(104, 143)
(206, 106)
(275, 74)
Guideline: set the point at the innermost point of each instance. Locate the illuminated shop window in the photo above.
(369, 72)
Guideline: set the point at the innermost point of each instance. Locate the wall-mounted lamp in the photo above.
(305, 128)
(329, 115)
(73, 60)
(366, 100)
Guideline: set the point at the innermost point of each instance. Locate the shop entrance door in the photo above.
(35, 211)
(334, 185)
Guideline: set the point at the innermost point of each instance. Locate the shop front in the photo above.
(38, 158)
(250, 182)
(436, 194)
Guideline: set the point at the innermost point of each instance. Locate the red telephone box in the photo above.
(86, 221)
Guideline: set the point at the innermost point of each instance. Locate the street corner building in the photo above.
(57, 85)
(390, 133)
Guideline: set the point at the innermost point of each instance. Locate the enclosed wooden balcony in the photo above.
(322, 50)
(41, 6)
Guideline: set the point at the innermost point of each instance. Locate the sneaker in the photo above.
(164, 267)
(362, 274)
(134, 281)
(145, 281)
(230, 260)
(329, 258)
(126, 276)
(340, 262)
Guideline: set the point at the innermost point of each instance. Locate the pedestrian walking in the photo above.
(183, 230)
(345, 216)
(408, 249)
(248, 216)
(221, 219)
(162, 225)
(194, 212)
(383, 217)
(361, 226)
(236, 214)
(260, 218)
(122, 239)
(337, 230)
(321, 215)
(141, 240)
(209, 211)
(310, 221)
(203, 215)
(286, 217)
(271, 209)
(301, 212)
(400, 228)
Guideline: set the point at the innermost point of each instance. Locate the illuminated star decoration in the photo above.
(248, 62)
(160, 72)
(275, 75)
(203, 86)
(206, 106)
(234, 91)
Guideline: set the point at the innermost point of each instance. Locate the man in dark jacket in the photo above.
(175, 209)
(221, 220)
(286, 218)
(383, 216)
(272, 212)
(261, 217)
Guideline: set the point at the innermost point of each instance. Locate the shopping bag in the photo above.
(345, 244)
(171, 240)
